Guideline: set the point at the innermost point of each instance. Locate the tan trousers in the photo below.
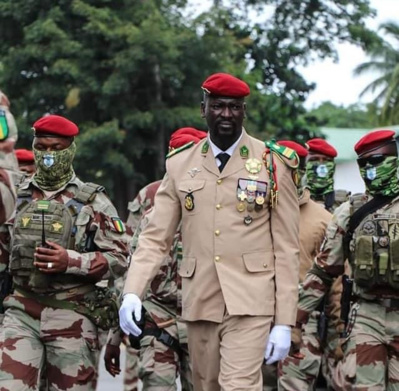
(228, 356)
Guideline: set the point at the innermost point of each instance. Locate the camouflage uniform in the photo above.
(37, 333)
(295, 374)
(142, 203)
(371, 350)
(160, 364)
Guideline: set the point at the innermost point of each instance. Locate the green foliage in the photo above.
(384, 59)
(353, 116)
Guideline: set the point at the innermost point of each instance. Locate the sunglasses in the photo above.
(373, 160)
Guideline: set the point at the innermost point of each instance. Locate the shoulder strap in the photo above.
(178, 150)
(287, 155)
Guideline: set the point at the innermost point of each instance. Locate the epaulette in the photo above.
(287, 155)
(178, 150)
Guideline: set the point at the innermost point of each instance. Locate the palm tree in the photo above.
(385, 61)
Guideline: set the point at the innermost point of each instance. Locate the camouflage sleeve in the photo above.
(101, 243)
(5, 238)
(328, 264)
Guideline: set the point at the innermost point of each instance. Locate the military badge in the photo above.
(244, 152)
(247, 220)
(253, 166)
(383, 241)
(4, 129)
(25, 221)
(48, 159)
(371, 173)
(193, 172)
(57, 227)
(394, 231)
(241, 207)
(189, 201)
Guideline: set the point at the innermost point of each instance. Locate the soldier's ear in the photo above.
(202, 109)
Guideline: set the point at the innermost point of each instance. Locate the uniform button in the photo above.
(265, 265)
(217, 258)
(218, 206)
(219, 181)
(217, 232)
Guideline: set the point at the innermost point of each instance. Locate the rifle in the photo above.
(5, 287)
(346, 299)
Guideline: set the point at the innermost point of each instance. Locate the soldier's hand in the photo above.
(53, 259)
(339, 351)
(131, 304)
(296, 342)
(111, 360)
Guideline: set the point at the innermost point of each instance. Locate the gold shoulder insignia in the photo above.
(287, 155)
(178, 150)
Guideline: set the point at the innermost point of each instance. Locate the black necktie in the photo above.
(224, 158)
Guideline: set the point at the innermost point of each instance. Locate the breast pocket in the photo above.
(191, 196)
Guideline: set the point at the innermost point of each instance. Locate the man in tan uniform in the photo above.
(236, 276)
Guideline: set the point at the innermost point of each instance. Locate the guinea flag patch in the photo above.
(118, 225)
(3, 126)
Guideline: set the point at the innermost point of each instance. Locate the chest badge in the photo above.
(193, 172)
(25, 221)
(189, 201)
(253, 166)
(57, 227)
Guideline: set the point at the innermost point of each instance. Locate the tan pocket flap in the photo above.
(187, 267)
(258, 262)
(191, 185)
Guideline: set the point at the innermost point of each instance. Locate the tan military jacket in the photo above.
(312, 226)
(247, 269)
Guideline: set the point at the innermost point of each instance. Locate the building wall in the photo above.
(347, 177)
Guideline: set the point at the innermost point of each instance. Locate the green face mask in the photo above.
(54, 169)
(382, 178)
(320, 177)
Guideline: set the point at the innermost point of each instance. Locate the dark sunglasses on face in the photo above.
(373, 160)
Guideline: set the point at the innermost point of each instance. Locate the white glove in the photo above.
(279, 343)
(131, 303)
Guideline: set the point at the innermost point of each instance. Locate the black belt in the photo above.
(163, 336)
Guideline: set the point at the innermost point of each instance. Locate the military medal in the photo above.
(189, 201)
(242, 196)
(260, 200)
(247, 220)
(251, 207)
(241, 207)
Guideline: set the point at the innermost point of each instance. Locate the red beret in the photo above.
(55, 125)
(223, 84)
(24, 156)
(184, 135)
(373, 140)
(318, 145)
(298, 148)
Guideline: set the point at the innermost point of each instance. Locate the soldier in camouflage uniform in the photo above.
(366, 230)
(65, 237)
(312, 224)
(320, 170)
(160, 364)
